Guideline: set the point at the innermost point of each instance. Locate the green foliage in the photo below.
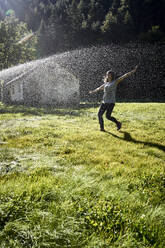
(69, 24)
(72, 23)
(11, 53)
(104, 218)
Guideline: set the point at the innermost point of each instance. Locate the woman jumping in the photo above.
(109, 97)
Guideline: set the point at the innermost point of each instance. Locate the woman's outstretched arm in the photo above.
(97, 89)
(118, 80)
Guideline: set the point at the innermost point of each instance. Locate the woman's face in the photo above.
(109, 77)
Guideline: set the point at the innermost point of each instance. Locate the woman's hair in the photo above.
(107, 74)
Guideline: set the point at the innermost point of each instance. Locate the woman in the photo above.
(109, 97)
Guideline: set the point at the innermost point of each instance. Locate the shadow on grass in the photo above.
(128, 138)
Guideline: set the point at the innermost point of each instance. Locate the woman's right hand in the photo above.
(136, 68)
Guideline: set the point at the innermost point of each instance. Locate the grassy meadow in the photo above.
(63, 183)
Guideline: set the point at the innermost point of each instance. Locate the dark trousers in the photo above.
(108, 107)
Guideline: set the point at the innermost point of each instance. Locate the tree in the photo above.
(147, 13)
(12, 53)
(118, 25)
(66, 24)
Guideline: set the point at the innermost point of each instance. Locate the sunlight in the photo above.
(7, 6)
(4, 4)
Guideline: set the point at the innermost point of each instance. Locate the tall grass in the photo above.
(63, 183)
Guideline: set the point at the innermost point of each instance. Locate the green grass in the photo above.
(63, 183)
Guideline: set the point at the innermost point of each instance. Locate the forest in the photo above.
(62, 25)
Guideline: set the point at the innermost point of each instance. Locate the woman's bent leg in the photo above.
(111, 118)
